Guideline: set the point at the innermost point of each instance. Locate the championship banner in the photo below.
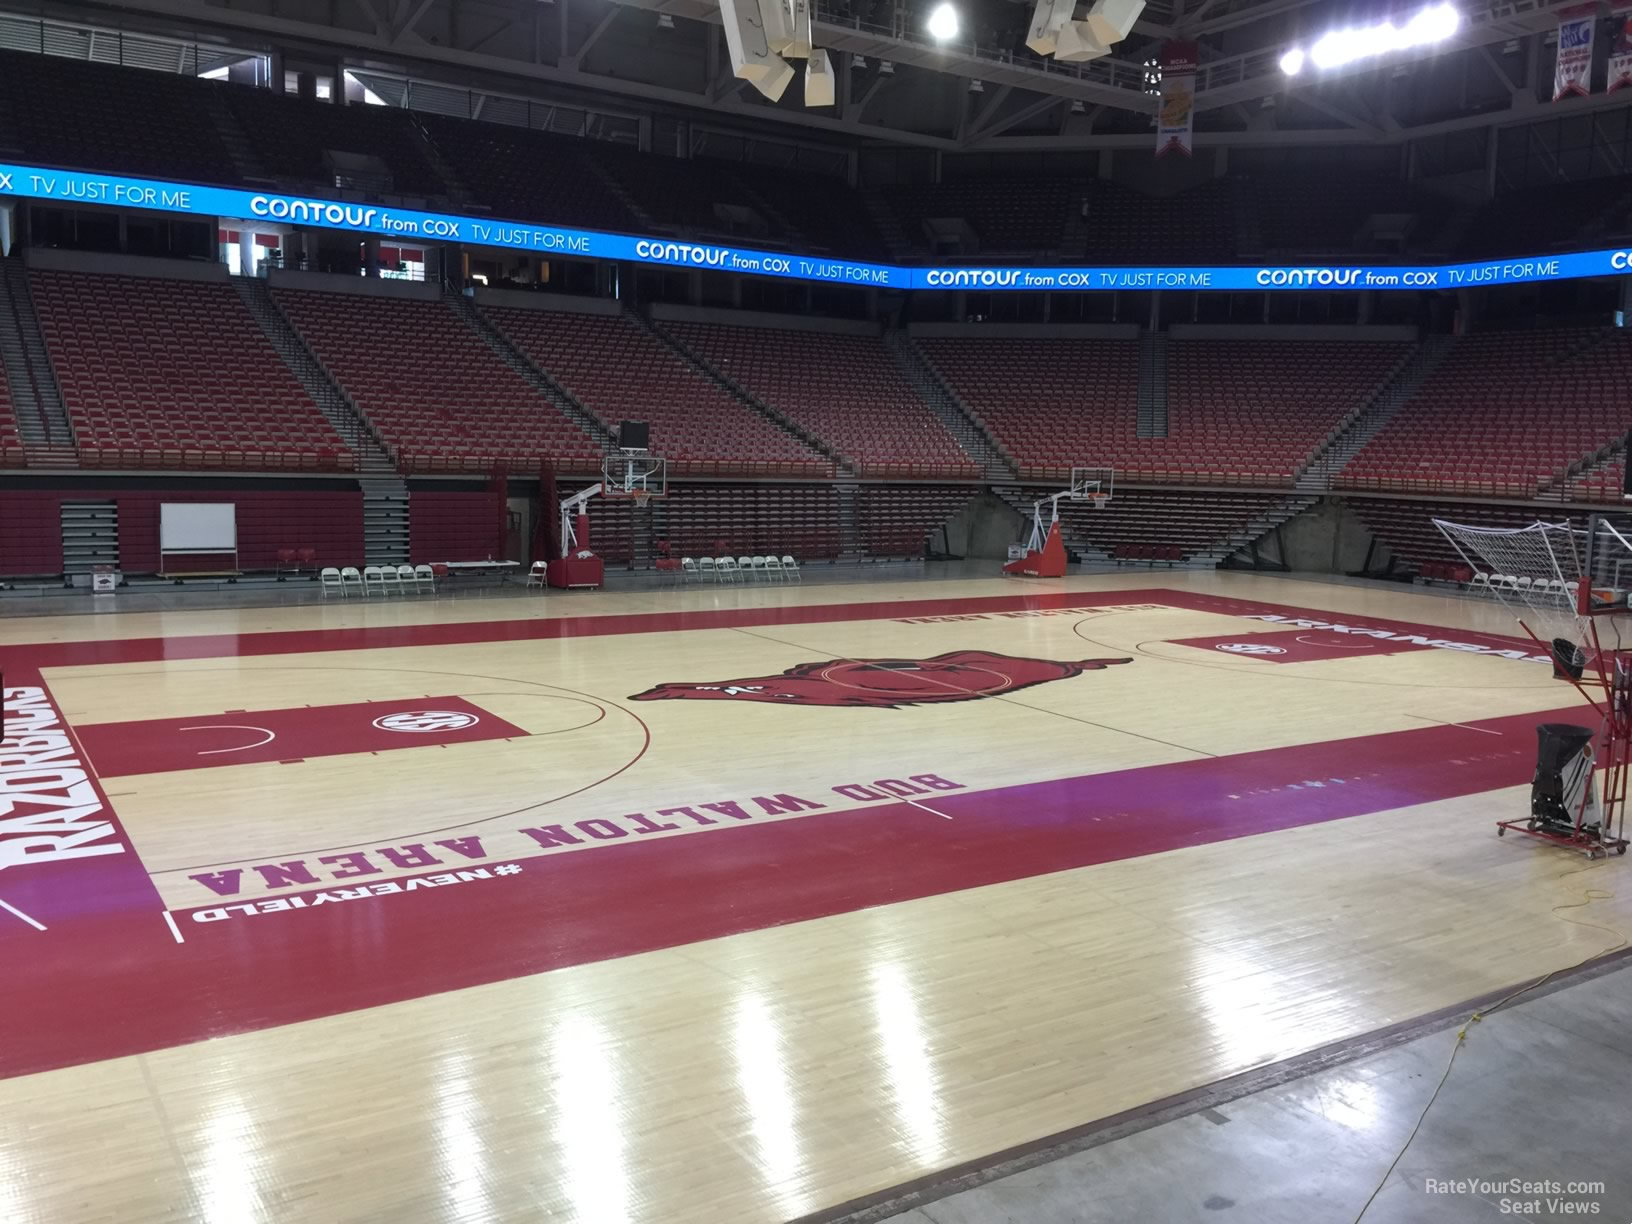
(1173, 124)
(1620, 48)
(1573, 75)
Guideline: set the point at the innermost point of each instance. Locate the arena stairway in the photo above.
(42, 421)
(944, 402)
(1321, 471)
(1256, 529)
(737, 390)
(537, 378)
(331, 399)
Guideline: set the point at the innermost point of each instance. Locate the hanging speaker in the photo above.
(1112, 20)
(1046, 20)
(1077, 43)
(819, 89)
(752, 59)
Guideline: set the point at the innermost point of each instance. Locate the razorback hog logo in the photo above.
(962, 675)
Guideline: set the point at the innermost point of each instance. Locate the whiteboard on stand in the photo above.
(198, 527)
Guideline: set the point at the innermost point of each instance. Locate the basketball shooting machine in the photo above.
(1570, 588)
(632, 474)
(1043, 555)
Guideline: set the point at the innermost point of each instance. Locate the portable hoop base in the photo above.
(1608, 674)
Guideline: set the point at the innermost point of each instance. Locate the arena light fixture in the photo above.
(1426, 27)
(943, 23)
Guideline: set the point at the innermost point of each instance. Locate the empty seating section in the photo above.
(169, 373)
(844, 389)
(1253, 411)
(115, 120)
(291, 135)
(1051, 404)
(441, 399)
(1599, 482)
(677, 192)
(797, 519)
(11, 444)
(896, 521)
(1126, 226)
(1328, 211)
(620, 371)
(529, 176)
(1408, 530)
(1239, 412)
(1504, 415)
(1550, 216)
(1005, 214)
(1158, 525)
(827, 214)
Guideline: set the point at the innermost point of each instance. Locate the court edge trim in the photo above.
(874, 1208)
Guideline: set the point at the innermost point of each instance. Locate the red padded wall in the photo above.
(30, 533)
(452, 527)
(331, 522)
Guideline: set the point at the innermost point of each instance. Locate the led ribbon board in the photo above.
(73, 187)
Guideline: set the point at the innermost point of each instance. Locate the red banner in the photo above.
(1178, 108)
(1620, 47)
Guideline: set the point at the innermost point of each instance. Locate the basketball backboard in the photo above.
(1092, 484)
(627, 474)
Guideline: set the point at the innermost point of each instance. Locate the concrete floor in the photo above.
(1540, 1092)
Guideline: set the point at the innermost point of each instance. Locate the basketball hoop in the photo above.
(1569, 589)
(1100, 500)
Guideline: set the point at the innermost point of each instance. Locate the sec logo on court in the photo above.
(1249, 648)
(962, 675)
(425, 722)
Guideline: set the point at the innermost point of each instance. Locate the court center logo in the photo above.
(426, 722)
(962, 675)
(1250, 648)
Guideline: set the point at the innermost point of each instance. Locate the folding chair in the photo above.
(407, 581)
(539, 575)
(424, 578)
(389, 578)
(707, 569)
(773, 570)
(372, 578)
(349, 577)
(790, 568)
(688, 569)
(329, 580)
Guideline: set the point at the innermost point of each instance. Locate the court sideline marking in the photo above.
(12, 909)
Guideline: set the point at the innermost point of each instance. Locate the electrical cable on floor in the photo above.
(1589, 895)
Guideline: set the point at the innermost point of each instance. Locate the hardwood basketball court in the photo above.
(729, 904)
